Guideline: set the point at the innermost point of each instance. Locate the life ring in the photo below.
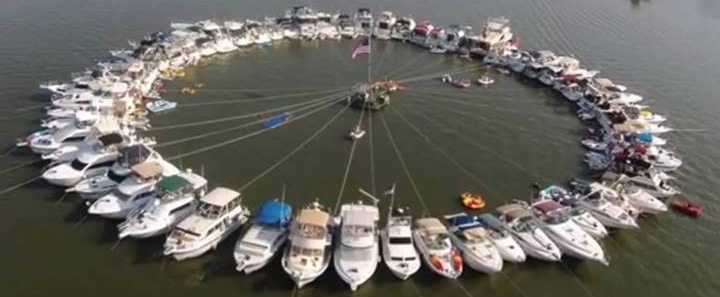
(472, 201)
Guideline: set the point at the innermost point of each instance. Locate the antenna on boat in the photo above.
(282, 197)
(374, 199)
(370, 50)
(202, 170)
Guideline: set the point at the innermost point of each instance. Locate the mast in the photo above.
(369, 37)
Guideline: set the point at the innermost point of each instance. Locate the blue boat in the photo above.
(276, 120)
(160, 105)
(265, 237)
(273, 213)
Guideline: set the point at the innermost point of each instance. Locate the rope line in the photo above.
(9, 169)
(295, 150)
(17, 186)
(348, 165)
(372, 154)
(273, 97)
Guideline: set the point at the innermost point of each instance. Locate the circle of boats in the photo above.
(90, 138)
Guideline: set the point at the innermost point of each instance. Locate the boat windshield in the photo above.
(113, 176)
(354, 230)
(78, 165)
(557, 218)
(400, 240)
(120, 195)
(209, 211)
(251, 248)
(526, 224)
(296, 250)
(438, 243)
(383, 25)
(576, 211)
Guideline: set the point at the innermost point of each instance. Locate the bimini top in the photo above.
(147, 170)
(274, 213)
(491, 221)
(173, 184)
(110, 139)
(548, 206)
(430, 226)
(313, 217)
(463, 221)
(513, 211)
(220, 196)
(134, 154)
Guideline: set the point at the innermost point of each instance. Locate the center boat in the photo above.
(175, 198)
(308, 254)
(133, 192)
(398, 250)
(578, 214)
(384, 26)
(218, 215)
(474, 240)
(357, 250)
(268, 233)
(438, 252)
(525, 229)
(571, 239)
(363, 22)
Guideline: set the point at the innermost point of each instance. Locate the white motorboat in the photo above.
(363, 22)
(326, 29)
(134, 191)
(420, 35)
(569, 237)
(266, 236)
(485, 80)
(474, 241)
(224, 45)
(357, 133)
(438, 50)
(495, 38)
(243, 40)
(402, 28)
(357, 251)
(384, 26)
(573, 92)
(218, 215)
(649, 181)
(579, 215)
(50, 140)
(641, 199)
(454, 35)
(500, 236)
(610, 215)
(97, 186)
(436, 248)
(346, 25)
(592, 189)
(549, 75)
(308, 254)
(624, 98)
(398, 250)
(175, 198)
(594, 144)
(525, 229)
(662, 159)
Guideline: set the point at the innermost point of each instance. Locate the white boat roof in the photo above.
(105, 126)
(431, 226)
(220, 196)
(313, 217)
(261, 235)
(147, 170)
(359, 215)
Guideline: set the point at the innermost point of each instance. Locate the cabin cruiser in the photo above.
(357, 250)
(641, 199)
(454, 34)
(435, 39)
(570, 238)
(579, 215)
(174, 199)
(218, 215)
(519, 64)
(434, 244)
(267, 234)
(573, 92)
(363, 22)
(495, 38)
(421, 34)
(506, 245)
(402, 29)
(308, 27)
(596, 190)
(609, 214)
(53, 139)
(384, 26)
(346, 25)
(662, 159)
(650, 182)
(134, 191)
(525, 229)
(398, 250)
(308, 254)
(326, 28)
(474, 241)
(540, 60)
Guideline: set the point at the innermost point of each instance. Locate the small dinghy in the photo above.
(438, 50)
(357, 133)
(456, 82)
(162, 105)
(688, 208)
(472, 201)
(485, 80)
(276, 120)
(503, 70)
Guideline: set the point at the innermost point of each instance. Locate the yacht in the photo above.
(384, 26)
(648, 181)
(519, 64)
(525, 229)
(454, 34)
(398, 250)
(218, 215)
(175, 198)
(474, 241)
(326, 28)
(433, 241)
(579, 215)
(357, 251)
(53, 139)
(308, 254)
(592, 189)
(97, 186)
(363, 22)
(134, 191)
(346, 25)
(420, 35)
(267, 234)
(500, 236)
(610, 215)
(662, 159)
(641, 199)
(403, 28)
(494, 39)
(540, 60)
(570, 238)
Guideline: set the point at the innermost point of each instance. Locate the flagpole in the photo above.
(369, 37)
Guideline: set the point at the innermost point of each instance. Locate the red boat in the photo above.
(687, 208)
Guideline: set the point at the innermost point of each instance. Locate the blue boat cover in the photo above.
(492, 222)
(463, 221)
(276, 120)
(274, 213)
(645, 137)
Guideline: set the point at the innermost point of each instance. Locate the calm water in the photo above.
(494, 141)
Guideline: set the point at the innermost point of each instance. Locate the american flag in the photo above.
(362, 48)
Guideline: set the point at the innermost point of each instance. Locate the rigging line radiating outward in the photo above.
(219, 90)
(348, 166)
(463, 288)
(444, 153)
(296, 150)
(459, 70)
(578, 280)
(417, 57)
(17, 186)
(322, 105)
(234, 140)
(426, 210)
(427, 67)
(372, 154)
(254, 114)
(513, 284)
(427, 118)
(256, 99)
(10, 169)
(383, 55)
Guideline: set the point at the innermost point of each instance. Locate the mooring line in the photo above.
(17, 186)
(513, 284)
(273, 97)
(372, 154)
(348, 165)
(295, 150)
(9, 169)
(578, 280)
